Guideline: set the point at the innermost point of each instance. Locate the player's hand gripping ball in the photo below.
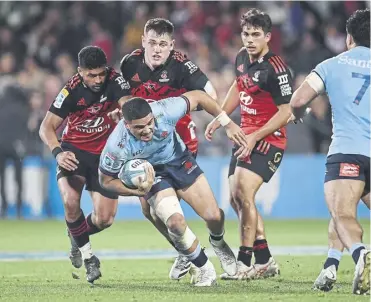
(132, 171)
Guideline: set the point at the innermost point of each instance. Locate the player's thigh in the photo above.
(345, 182)
(343, 195)
(146, 208)
(246, 184)
(105, 208)
(71, 188)
(91, 162)
(201, 198)
(234, 204)
(162, 203)
(251, 172)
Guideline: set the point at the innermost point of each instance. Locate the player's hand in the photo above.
(115, 115)
(211, 128)
(145, 184)
(246, 151)
(235, 134)
(295, 120)
(67, 160)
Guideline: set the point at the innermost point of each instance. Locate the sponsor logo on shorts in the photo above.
(272, 166)
(277, 157)
(189, 167)
(349, 170)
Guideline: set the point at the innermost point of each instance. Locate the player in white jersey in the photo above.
(346, 80)
(148, 132)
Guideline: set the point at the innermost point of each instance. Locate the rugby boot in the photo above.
(226, 256)
(326, 279)
(180, 268)
(269, 269)
(75, 254)
(92, 266)
(361, 281)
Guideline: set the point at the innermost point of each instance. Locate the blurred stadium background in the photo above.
(39, 42)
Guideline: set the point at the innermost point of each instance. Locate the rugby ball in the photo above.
(131, 171)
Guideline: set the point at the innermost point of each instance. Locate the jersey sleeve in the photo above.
(280, 85)
(171, 109)
(193, 77)
(120, 86)
(125, 75)
(322, 71)
(63, 103)
(114, 153)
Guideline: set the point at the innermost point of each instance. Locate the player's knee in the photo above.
(176, 224)
(104, 221)
(71, 204)
(215, 215)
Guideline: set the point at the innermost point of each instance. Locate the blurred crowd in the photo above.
(39, 42)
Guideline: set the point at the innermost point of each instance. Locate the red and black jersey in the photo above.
(173, 78)
(88, 126)
(263, 85)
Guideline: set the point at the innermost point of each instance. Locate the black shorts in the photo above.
(178, 174)
(87, 167)
(349, 166)
(264, 160)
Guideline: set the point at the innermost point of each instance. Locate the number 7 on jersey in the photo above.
(364, 87)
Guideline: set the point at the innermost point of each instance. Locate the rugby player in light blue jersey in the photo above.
(147, 131)
(346, 80)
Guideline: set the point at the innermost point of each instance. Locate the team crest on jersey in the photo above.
(164, 77)
(60, 98)
(255, 78)
(164, 134)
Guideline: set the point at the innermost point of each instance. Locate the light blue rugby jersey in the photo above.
(165, 145)
(347, 82)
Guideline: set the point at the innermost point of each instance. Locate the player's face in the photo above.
(255, 40)
(142, 128)
(93, 78)
(157, 48)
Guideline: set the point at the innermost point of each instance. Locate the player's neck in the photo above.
(260, 55)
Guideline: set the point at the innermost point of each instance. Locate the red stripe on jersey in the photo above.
(274, 65)
(260, 145)
(281, 66)
(282, 62)
(277, 64)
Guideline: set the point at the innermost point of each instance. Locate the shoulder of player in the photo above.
(241, 52)
(131, 58)
(73, 83)
(178, 57)
(112, 74)
(135, 56)
(276, 64)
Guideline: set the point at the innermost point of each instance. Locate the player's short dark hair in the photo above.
(258, 19)
(358, 26)
(160, 26)
(135, 108)
(92, 57)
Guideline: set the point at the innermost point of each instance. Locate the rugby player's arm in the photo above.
(198, 98)
(231, 100)
(48, 130)
(276, 122)
(307, 92)
(210, 90)
(116, 186)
